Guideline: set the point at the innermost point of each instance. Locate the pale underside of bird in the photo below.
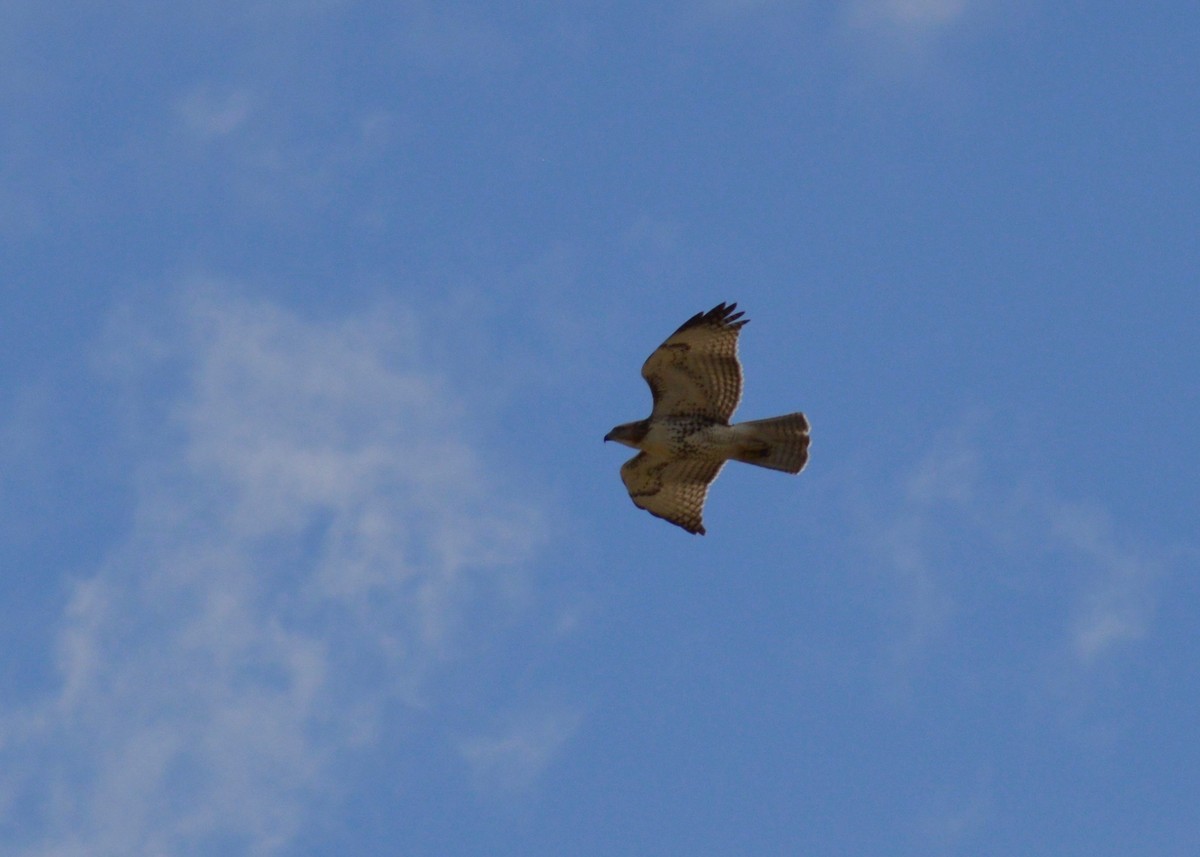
(695, 378)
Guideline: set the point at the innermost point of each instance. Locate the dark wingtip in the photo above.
(722, 315)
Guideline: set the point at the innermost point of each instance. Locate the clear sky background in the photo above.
(313, 315)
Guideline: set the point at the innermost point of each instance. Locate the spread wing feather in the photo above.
(696, 371)
(673, 489)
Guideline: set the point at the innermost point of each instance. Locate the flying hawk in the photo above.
(696, 380)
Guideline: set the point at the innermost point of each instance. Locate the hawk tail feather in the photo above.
(780, 443)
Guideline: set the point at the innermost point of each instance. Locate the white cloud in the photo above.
(868, 43)
(1116, 602)
(906, 538)
(952, 820)
(210, 115)
(313, 535)
(960, 533)
(913, 18)
(913, 13)
(896, 39)
(511, 759)
(730, 8)
(901, 17)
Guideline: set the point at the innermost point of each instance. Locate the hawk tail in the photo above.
(780, 443)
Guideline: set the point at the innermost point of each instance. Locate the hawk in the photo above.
(696, 381)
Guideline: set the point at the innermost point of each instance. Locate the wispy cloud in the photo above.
(730, 8)
(899, 38)
(511, 759)
(958, 532)
(950, 821)
(314, 535)
(908, 24)
(912, 16)
(873, 41)
(1116, 602)
(909, 14)
(210, 114)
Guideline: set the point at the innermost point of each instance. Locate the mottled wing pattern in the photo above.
(673, 489)
(696, 371)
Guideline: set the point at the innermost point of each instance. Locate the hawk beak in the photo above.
(608, 437)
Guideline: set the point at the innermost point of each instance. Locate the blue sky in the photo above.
(314, 315)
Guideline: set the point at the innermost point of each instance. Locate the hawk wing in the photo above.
(673, 489)
(696, 371)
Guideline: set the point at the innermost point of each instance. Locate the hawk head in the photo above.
(630, 434)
